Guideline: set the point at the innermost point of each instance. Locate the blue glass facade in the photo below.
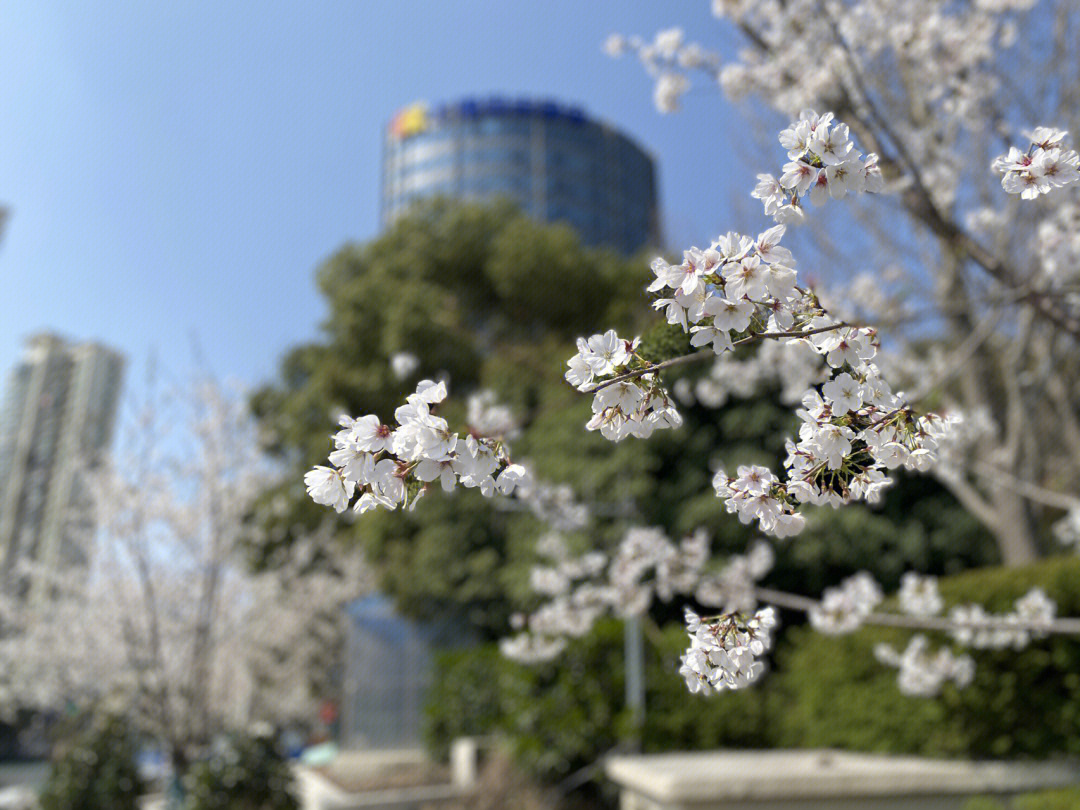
(559, 165)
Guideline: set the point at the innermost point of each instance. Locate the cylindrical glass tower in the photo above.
(556, 163)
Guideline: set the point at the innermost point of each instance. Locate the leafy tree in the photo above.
(491, 299)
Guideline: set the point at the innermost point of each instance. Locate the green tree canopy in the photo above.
(490, 299)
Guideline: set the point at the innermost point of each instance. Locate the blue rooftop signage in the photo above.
(416, 118)
(554, 161)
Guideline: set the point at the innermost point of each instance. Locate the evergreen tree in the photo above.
(491, 299)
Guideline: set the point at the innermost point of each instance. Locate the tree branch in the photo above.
(922, 206)
(705, 354)
(1063, 626)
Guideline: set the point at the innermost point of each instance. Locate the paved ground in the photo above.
(30, 774)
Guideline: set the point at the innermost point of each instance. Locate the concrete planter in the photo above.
(815, 780)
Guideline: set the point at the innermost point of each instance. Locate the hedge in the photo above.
(1021, 704)
(824, 691)
(563, 715)
(1065, 799)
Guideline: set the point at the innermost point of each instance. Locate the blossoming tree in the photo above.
(974, 289)
(168, 624)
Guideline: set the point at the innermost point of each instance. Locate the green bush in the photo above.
(1067, 799)
(248, 772)
(563, 715)
(824, 691)
(1020, 703)
(95, 769)
(559, 716)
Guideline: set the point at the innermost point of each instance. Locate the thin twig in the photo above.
(705, 354)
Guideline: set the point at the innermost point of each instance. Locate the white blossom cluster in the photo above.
(968, 431)
(732, 588)
(647, 563)
(627, 408)
(854, 428)
(489, 417)
(756, 494)
(794, 366)
(403, 364)
(1031, 619)
(1057, 245)
(922, 674)
(391, 467)
(1067, 530)
(735, 286)
(555, 505)
(724, 651)
(666, 58)
(852, 431)
(807, 53)
(801, 49)
(579, 590)
(1046, 165)
(845, 608)
(823, 163)
(531, 647)
(574, 603)
(810, 44)
(919, 595)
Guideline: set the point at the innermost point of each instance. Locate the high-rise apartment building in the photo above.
(56, 421)
(554, 161)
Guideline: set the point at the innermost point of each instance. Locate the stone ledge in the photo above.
(701, 778)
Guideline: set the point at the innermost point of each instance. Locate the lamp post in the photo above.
(634, 665)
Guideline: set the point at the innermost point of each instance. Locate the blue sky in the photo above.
(180, 169)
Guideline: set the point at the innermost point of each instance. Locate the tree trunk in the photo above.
(1013, 528)
(174, 790)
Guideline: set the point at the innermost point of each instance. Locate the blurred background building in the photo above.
(56, 420)
(387, 674)
(554, 161)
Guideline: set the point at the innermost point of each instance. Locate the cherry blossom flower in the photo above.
(327, 486)
(844, 609)
(919, 596)
(1046, 165)
(922, 674)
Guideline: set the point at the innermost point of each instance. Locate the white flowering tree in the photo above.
(168, 624)
(985, 334)
(974, 289)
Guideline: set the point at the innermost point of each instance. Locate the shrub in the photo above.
(563, 715)
(247, 772)
(95, 769)
(1019, 705)
(1067, 799)
(559, 715)
(824, 692)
